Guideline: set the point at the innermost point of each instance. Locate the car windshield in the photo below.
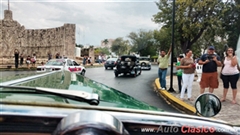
(112, 59)
(54, 63)
(142, 58)
(144, 36)
(128, 58)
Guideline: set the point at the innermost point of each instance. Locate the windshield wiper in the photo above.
(90, 98)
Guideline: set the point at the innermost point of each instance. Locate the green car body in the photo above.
(109, 97)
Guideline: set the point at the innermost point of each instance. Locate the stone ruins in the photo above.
(39, 41)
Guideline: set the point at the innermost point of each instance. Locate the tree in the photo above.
(231, 21)
(143, 42)
(103, 51)
(193, 18)
(79, 45)
(105, 41)
(120, 46)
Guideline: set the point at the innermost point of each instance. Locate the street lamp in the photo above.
(171, 75)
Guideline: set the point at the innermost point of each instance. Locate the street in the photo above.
(140, 87)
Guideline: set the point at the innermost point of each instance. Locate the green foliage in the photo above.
(105, 41)
(79, 45)
(120, 46)
(103, 51)
(193, 18)
(231, 21)
(143, 42)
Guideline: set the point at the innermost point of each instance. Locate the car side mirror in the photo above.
(208, 105)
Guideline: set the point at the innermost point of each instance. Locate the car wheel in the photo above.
(116, 74)
(83, 73)
(135, 74)
(140, 72)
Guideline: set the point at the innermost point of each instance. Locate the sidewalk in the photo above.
(229, 112)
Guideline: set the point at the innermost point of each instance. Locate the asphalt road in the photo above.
(140, 87)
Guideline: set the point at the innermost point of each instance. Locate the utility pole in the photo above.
(173, 23)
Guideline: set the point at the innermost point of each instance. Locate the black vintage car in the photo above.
(128, 65)
(111, 62)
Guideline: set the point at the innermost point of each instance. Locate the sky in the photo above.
(95, 20)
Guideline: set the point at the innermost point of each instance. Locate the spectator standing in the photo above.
(49, 56)
(163, 60)
(58, 56)
(84, 60)
(28, 61)
(33, 60)
(188, 66)
(89, 60)
(99, 59)
(179, 73)
(21, 60)
(210, 62)
(16, 56)
(230, 74)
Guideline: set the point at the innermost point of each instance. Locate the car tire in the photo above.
(116, 74)
(135, 74)
(140, 72)
(83, 73)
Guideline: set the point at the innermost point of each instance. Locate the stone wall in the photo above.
(39, 41)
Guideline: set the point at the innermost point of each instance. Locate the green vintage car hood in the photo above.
(109, 97)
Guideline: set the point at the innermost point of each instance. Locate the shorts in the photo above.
(232, 79)
(209, 80)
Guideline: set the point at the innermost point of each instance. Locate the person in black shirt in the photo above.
(16, 56)
(210, 62)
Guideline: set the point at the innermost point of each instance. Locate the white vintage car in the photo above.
(62, 64)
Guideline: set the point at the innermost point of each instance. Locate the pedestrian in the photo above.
(230, 74)
(58, 56)
(179, 73)
(21, 60)
(33, 60)
(49, 56)
(89, 61)
(210, 62)
(163, 60)
(99, 59)
(84, 60)
(28, 61)
(16, 56)
(188, 66)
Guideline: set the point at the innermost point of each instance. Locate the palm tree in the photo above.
(105, 41)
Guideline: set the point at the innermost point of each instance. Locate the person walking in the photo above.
(188, 66)
(16, 56)
(163, 60)
(210, 62)
(230, 74)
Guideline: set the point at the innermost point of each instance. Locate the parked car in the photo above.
(62, 64)
(145, 63)
(128, 65)
(65, 103)
(110, 63)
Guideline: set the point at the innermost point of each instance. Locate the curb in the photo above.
(179, 104)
